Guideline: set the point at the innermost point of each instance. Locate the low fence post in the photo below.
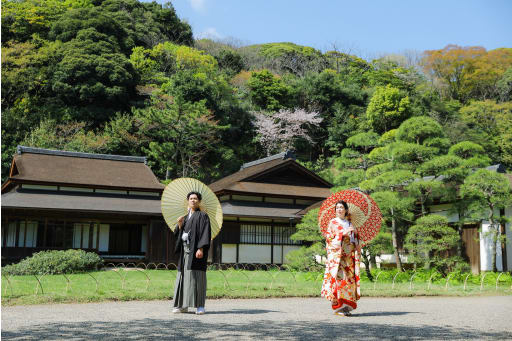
(97, 283)
(68, 285)
(40, 285)
(465, 281)
(447, 280)
(147, 276)
(394, 277)
(482, 281)
(497, 279)
(410, 280)
(430, 280)
(8, 284)
(376, 278)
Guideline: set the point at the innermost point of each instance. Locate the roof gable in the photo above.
(272, 170)
(290, 173)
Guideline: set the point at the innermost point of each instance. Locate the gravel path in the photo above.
(419, 318)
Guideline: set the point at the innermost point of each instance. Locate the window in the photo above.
(255, 234)
(246, 198)
(28, 234)
(282, 235)
(262, 234)
(11, 234)
(84, 235)
(22, 233)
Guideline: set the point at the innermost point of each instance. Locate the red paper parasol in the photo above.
(364, 213)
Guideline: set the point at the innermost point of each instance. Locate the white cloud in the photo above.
(198, 5)
(210, 33)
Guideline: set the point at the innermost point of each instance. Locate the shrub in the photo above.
(55, 262)
(305, 258)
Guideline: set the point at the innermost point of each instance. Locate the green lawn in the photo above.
(132, 284)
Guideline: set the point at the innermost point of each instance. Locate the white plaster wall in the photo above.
(288, 248)
(485, 249)
(508, 229)
(278, 251)
(228, 253)
(104, 237)
(252, 253)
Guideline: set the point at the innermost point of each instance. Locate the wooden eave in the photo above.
(252, 194)
(11, 182)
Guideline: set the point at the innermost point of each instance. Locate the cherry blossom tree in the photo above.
(278, 131)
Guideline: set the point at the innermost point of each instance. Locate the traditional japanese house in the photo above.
(262, 203)
(109, 204)
(476, 241)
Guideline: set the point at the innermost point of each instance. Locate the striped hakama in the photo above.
(190, 286)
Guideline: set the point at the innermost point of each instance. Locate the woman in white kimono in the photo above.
(341, 278)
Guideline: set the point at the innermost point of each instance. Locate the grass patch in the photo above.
(130, 284)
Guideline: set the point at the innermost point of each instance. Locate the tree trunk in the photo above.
(494, 239)
(373, 261)
(366, 261)
(395, 242)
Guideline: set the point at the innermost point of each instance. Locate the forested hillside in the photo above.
(127, 77)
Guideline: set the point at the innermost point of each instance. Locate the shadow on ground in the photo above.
(188, 326)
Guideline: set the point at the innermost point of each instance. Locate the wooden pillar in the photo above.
(45, 232)
(272, 242)
(148, 241)
(81, 234)
(5, 232)
(91, 234)
(98, 236)
(25, 234)
(167, 247)
(17, 235)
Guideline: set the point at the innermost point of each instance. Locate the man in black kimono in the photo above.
(193, 237)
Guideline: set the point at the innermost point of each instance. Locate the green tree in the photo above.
(388, 107)
(268, 92)
(452, 169)
(148, 23)
(489, 192)
(22, 19)
(430, 239)
(92, 75)
(504, 86)
(393, 204)
(419, 130)
(307, 230)
(381, 244)
(181, 134)
(72, 136)
(490, 124)
(354, 161)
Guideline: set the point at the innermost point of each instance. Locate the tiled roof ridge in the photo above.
(284, 155)
(32, 150)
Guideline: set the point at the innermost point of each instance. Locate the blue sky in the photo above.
(363, 27)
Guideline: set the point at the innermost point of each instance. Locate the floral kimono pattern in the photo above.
(341, 277)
